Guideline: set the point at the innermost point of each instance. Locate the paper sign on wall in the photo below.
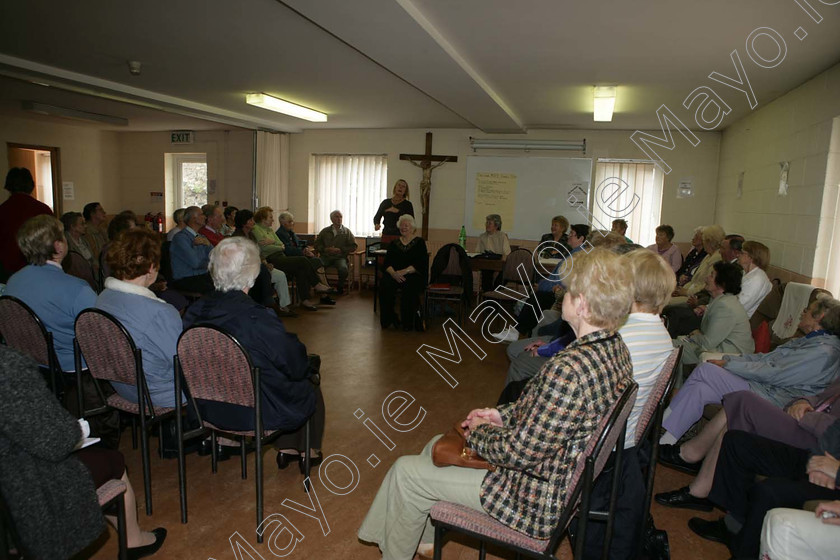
(68, 190)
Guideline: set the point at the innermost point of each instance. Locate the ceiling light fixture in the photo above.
(527, 145)
(266, 101)
(604, 103)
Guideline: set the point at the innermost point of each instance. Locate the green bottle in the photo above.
(462, 238)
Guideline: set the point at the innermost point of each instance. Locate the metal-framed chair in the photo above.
(111, 355)
(456, 278)
(609, 434)
(647, 429)
(212, 365)
(510, 275)
(23, 330)
(111, 496)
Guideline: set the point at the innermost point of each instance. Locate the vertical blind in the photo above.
(617, 184)
(354, 184)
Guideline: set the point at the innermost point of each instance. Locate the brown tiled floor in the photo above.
(362, 365)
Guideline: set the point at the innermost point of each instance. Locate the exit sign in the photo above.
(182, 136)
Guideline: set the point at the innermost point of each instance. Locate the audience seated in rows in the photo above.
(803, 366)
(307, 275)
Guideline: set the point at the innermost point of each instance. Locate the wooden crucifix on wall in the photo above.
(424, 162)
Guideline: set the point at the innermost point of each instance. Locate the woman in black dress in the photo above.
(406, 267)
(391, 210)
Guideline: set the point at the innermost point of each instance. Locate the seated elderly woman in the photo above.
(802, 366)
(534, 442)
(299, 268)
(55, 297)
(133, 259)
(665, 248)
(693, 258)
(557, 236)
(406, 267)
(74, 232)
(495, 241)
(292, 248)
(49, 484)
(289, 396)
(712, 237)
(789, 376)
(725, 326)
(268, 276)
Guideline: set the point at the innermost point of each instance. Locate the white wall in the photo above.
(448, 182)
(89, 157)
(796, 127)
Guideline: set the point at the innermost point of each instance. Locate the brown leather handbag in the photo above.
(452, 450)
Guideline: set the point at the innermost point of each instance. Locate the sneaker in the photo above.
(508, 335)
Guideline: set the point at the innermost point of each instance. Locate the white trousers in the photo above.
(399, 514)
(793, 534)
(281, 286)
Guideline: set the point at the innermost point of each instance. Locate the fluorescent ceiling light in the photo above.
(66, 112)
(604, 104)
(517, 144)
(274, 104)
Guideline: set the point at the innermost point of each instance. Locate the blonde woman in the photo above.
(391, 210)
(535, 442)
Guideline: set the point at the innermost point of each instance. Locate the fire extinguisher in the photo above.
(159, 223)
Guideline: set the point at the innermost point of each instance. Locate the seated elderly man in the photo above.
(212, 230)
(334, 243)
(802, 366)
(190, 253)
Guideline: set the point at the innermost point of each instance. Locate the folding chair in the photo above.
(212, 365)
(24, 331)
(111, 496)
(608, 435)
(111, 355)
(510, 275)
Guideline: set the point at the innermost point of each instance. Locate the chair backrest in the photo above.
(662, 387)
(76, 265)
(107, 347)
(23, 330)
(215, 366)
(514, 259)
(598, 450)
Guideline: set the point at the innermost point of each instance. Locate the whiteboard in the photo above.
(526, 191)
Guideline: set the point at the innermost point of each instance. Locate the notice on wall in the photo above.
(156, 197)
(495, 193)
(68, 190)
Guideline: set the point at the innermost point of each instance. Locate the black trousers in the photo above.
(409, 298)
(681, 319)
(262, 291)
(298, 269)
(744, 455)
(527, 319)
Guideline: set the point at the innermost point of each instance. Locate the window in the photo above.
(354, 184)
(189, 173)
(632, 191)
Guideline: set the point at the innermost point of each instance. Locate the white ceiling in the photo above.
(497, 65)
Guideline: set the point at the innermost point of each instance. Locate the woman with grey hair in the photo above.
(493, 240)
(74, 231)
(406, 267)
(289, 397)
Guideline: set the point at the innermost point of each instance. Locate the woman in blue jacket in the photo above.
(134, 260)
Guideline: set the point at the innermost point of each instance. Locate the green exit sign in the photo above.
(182, 136)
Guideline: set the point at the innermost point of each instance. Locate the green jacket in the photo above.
(343, 240)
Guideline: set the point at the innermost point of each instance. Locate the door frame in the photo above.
(55, 168)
